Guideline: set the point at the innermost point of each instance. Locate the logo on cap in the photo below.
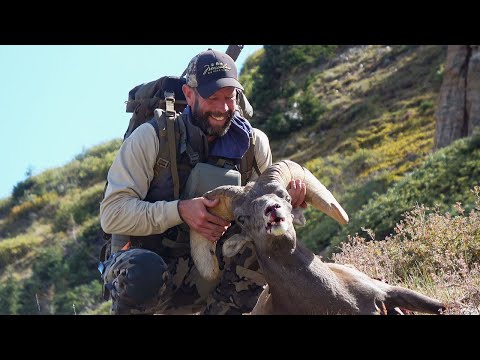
(210, 71)
(216, 67)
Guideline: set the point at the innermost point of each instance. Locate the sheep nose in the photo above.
(272, 208)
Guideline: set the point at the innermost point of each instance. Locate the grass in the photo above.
(17, 248)
(433, 253)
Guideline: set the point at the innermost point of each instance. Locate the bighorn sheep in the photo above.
(298, 281)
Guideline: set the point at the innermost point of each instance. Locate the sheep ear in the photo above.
(298, 216)
(234, 244)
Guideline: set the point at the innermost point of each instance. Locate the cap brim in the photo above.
(208, 90)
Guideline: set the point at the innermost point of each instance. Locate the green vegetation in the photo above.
(249, 71)
(371, 122)
(272, 79)
(361, 118)
(17, 247)
(51, 237)
(443, 179)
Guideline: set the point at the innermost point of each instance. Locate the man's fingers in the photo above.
(297, 191)
(303, 194)
(210, 203)
(293, 184)
(213, 218)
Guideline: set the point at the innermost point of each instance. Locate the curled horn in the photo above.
(317, 194)
(203, 250)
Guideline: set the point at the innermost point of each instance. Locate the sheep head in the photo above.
(266, 220)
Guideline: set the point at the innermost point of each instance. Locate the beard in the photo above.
(211, 130)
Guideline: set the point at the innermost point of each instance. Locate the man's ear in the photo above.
(234, 244)
(189, 94)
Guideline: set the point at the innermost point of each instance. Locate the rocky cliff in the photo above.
(458, 106)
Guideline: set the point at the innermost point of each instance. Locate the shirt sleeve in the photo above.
(263, 153)
(123, 210)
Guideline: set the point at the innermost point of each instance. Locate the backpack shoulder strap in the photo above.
(249, 162)
(254, 161)
(172, 143)
(164, 124)
(159, 124)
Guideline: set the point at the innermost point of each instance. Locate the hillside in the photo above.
(50, 238)
(361, 118)
(370, 121)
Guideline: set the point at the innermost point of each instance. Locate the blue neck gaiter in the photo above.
(234, 144)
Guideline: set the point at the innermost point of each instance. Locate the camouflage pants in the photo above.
(141, 282)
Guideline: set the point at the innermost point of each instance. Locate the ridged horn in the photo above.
(317, 194)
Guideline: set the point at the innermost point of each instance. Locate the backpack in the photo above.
(145, 98)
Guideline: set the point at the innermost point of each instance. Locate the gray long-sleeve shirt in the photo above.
(123, 210)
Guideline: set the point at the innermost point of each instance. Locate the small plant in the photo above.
(425, 106)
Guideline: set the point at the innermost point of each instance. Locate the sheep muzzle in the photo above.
(275, 216)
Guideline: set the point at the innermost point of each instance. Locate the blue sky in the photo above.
(58, 100)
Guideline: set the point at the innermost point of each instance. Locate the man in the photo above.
(154, 271)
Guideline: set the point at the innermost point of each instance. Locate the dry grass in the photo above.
(433, 253)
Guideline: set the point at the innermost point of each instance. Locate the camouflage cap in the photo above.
(210, 71)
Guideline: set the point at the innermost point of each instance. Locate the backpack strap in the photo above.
(254, 161)
(249, 162)
(172, 144)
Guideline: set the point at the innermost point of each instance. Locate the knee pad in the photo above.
(135, 278)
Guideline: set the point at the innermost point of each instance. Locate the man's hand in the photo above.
(298, 190)
(195, 214)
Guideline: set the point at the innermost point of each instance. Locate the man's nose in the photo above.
(221, 106)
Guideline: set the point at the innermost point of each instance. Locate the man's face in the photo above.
(214, 115)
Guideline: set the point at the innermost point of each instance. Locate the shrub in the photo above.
(439, 180)
(310, 108)
(32, 204)
(10, 292)
(78, 207)
(428, 247)
(278, 124)
(21, 188)
(101, 309)
(15, 248)
(276, 65)
(79, 299)
(425, 106)
(85, 170)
